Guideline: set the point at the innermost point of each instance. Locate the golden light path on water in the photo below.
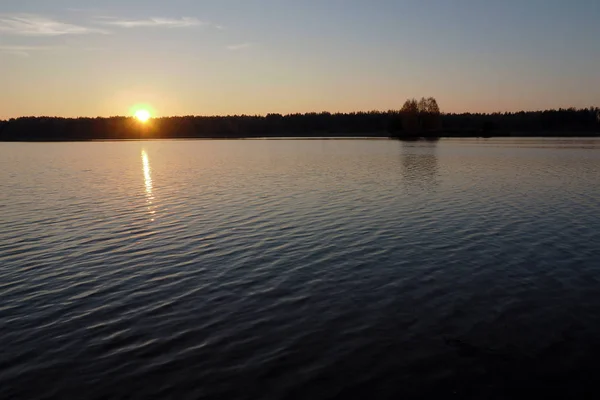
(148, 183)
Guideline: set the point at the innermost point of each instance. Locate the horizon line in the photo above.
(590, 108)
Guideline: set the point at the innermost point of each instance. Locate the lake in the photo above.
(300, 269)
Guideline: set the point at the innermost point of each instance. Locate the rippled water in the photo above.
(313, 269)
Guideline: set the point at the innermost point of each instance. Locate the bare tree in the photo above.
(410, 116)
(431, 119)
(410, 106)
(422, 105)
(421, 116)
(432, 106)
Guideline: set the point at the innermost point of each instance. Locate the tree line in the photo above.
(417, 118)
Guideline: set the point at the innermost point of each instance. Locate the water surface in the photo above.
(315, 269)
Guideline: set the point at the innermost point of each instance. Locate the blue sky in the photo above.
(182, 57)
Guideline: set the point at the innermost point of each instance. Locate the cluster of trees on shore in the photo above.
(420, 118)
(416, 118)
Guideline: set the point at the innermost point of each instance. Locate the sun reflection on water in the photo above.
(148, 184)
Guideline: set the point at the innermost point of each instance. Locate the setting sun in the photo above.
(142, 115)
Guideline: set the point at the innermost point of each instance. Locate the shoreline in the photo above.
(586, 135)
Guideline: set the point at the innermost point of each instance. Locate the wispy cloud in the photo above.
(153, 22)
(240, 46)
(25, 51)
(34, 25)
(17, 53)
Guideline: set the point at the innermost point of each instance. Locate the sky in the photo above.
(221, 57)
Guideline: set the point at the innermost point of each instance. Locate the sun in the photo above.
(142, 115)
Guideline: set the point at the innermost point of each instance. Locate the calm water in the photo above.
(309, 269)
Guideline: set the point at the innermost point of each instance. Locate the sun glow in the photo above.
(142, 115)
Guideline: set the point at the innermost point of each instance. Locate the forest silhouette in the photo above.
(416, 119)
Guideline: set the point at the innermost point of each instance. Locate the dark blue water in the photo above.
(288, 269)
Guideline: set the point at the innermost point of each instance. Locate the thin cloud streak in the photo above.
(28, 48)
(17, 53)
(153, 22)
(25, 51)
(35, 25)
(240, 46)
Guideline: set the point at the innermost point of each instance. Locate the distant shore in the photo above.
(374, 124)
(523, 135)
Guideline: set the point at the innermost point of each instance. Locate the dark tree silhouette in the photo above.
(420, 118)
(430, 114)
(416, 119)
(410, 117)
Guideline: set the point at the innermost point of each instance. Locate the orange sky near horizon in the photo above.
(207, 58)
